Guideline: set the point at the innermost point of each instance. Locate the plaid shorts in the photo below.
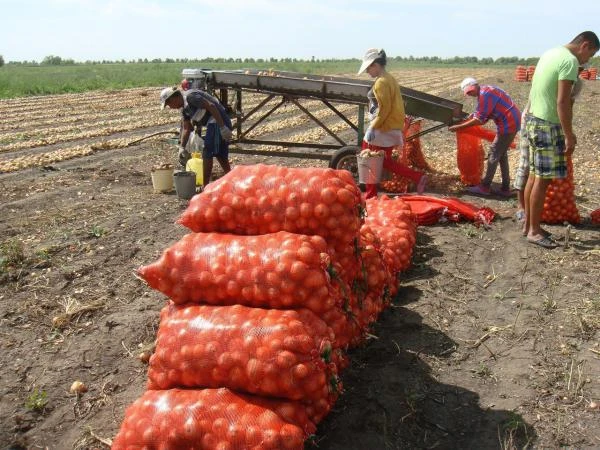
(547, 157)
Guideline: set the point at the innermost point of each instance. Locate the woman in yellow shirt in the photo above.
(386, 113)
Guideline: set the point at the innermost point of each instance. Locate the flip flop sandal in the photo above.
(549, 235)
(544, 242)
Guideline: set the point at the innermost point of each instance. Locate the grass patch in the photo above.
(37, 401)
(514, 433)
(12, 255)
(471, 231)
(97, 231)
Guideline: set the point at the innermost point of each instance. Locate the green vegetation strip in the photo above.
(26, 79)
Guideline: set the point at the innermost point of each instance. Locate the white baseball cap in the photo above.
(371, 55)
(165, 95)
(468, 85)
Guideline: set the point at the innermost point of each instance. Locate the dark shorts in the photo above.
(214, 145)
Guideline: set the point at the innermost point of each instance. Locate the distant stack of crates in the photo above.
(521, 73)
(589, 74)
(530, 72)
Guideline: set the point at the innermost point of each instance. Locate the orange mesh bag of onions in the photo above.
(559, 203)
(411, 155)
(261, 199)
(278, 270)
(217, 419)
(269, 352)
(469, 157)
(412, 148)
(392, 221)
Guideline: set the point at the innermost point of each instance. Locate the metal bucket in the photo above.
(370, 169)
(185, 184)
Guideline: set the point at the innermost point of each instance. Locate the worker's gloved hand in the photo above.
(369, 135)
(226, 133)
(183, 155)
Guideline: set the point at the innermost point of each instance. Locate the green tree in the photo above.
(1, 60)
(52, 60)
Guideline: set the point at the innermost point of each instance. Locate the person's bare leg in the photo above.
(526, 204)
(536, 207)
(521, 211)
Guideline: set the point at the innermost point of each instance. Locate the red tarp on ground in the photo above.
(428, 210)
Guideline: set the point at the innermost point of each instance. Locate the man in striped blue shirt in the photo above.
(495, 104)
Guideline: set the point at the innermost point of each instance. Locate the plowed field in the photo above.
(491, 343)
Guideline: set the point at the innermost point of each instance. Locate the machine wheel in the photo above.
(345, 159)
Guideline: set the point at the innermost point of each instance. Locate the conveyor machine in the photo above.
(290, 87)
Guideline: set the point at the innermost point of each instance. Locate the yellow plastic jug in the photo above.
(195, 164)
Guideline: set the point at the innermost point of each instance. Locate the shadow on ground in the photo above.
(393, 401)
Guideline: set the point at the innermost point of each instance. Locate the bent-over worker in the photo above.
(200, 107)
(493, 103)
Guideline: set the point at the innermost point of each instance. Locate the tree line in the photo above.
(52, 60)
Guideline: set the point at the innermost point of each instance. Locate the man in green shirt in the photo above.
(549, 126)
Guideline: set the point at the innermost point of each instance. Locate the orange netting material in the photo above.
(345, 260)
(397, 247)
(469, 157)
(284, 354)
(340, 322)
(412, 149)
(374, 284)
(484, 134)
(276, 352)
(393, 223)
(559, 204)
(429, 209)
(212, 419)
(278, 270)
(390, 212)
(261, 199)
(410, 155)
(374, 276)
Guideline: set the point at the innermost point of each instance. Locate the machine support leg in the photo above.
(361, 124)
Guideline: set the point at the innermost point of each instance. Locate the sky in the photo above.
(131, 29)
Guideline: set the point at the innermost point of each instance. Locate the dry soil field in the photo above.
(491, 342)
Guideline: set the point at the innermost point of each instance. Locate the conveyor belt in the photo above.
(329, 88)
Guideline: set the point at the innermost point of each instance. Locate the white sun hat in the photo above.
(468, 84)
(165, 95)
(371, 55)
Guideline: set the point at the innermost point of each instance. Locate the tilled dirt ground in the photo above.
(491, 342)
